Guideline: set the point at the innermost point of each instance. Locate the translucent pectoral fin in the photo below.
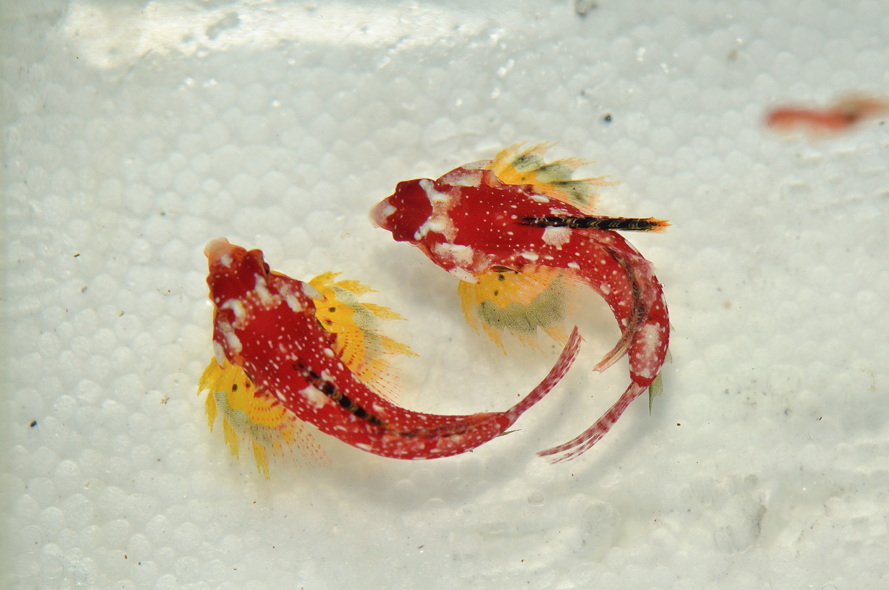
(259, 419)
(515, 165)
(520, 302)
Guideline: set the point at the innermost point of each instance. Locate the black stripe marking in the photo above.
(336, 395)
(596, 222)
(330, 390)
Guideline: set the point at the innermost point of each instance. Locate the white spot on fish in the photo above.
(237, 307)
(262, 290)
(311, 292)
(231, 339)
(439, 225)
(219, 353)
(433, 195)
(462, 255)
(557, 236)
(388, 210)
(314, 397)
(294, 304)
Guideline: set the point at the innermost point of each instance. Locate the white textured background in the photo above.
(134, 132)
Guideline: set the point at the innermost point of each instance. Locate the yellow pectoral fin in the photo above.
(520, 302)
(517, 166)
(384, 313)
(231, 438)
(259, 419)
(359, 342)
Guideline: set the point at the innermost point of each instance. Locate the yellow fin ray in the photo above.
(359, 342)
(520, 302)
(384, 313)
(261, 420)
(514, 165)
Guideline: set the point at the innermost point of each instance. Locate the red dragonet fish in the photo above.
(266, 329)
(521, 234)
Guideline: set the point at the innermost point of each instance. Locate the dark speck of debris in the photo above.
(120, 314)
(76, 255)
(582, 7)
(607, 118)
(34, 423)
(83, 290)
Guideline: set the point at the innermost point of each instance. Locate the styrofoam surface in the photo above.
(133, 133)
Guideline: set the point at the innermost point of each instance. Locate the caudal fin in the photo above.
(563, 363)
(589, 437)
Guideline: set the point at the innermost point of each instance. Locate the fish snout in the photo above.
(380, 213)
(217, 248)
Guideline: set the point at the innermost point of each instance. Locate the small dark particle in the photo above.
(84, 290)
(607, 118)
(34, 423)
(76, 255)
(120, 314)
(582, 7)
(678, 424)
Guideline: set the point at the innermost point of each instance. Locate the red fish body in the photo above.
(472, 223)
(265, 323)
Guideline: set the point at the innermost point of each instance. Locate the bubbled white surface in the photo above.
(134, 132)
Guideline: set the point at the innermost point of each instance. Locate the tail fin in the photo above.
(563, 363)
(589, 437)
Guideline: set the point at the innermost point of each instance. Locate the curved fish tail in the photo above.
(563, 363)
(589, 437)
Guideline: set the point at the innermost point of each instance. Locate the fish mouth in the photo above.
(380, 213)
(217, 248)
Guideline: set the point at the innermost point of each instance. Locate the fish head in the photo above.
(234, 272)
(404, 211)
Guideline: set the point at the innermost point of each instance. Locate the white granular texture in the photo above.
(135, 132)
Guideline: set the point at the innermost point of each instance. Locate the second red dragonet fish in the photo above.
(520, 234)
